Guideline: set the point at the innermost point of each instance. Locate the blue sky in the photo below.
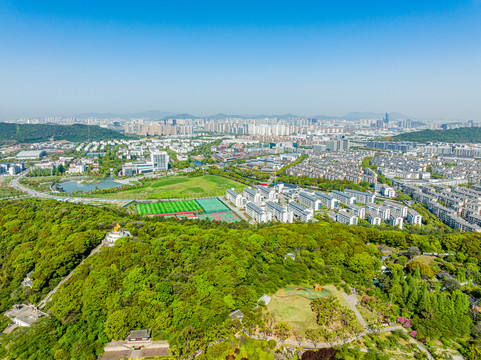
(422, 58)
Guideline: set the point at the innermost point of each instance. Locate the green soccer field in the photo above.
(168, 207)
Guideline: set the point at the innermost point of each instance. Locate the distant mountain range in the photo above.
(151, 114)
(163, 115)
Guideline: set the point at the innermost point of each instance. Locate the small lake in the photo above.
(72, 186)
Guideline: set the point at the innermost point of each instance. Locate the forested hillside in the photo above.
(461, 135)
(183, 278)
(31, 133)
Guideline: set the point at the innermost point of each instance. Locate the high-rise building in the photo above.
(160, 160)
(386, 118)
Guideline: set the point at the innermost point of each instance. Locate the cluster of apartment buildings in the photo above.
(227, 154)
(162, 127)
(404, 167)
(456, 206)
(403, 146)
(182, 146)
(270, 163)
(461, 169)
(449, 149)
(93, 146)
(11, 168)
(362, 205)
(336, 166)
(263, 204)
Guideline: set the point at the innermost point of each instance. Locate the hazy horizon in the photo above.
(65, 58)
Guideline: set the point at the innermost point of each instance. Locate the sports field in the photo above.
(175, 187)
(168, 207)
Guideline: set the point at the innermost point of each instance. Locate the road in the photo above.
(47, 298)
(352, 302)
(15, 183)
(308, 344)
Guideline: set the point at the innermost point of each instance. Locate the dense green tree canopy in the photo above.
(183, 278)
(30, 133)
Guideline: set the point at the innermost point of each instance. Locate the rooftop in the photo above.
(139, 334)
(27, 314)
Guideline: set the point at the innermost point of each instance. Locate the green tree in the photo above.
(117, 326)
(283, 331)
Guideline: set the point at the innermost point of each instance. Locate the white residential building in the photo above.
(346, 218)
(326, 200)
(396, 221)
(77, 169)
(252, 196)
(234, 197)
(385, 190)
(267, 192)
(343, 198)
(414, 217)
(357, 210)
(361, 196)
(382, 211)
(300, 212)
(256, 213)
(374, 218)
(278, 212)
(397, 209)
(309, 201)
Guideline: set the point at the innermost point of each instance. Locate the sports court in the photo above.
(206, 216)
(212, 205)
(228, 217)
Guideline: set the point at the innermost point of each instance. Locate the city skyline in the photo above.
(309, 59)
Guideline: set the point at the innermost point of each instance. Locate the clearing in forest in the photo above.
(293, 305)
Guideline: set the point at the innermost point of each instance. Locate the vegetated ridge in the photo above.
(460, 135)
(182, 278)
(29, 133)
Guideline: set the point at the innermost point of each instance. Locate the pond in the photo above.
(73, 186)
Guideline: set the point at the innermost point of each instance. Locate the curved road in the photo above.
(15, 183)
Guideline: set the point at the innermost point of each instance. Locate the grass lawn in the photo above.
(6, 190)
(39, 183)
(295, 310)
(173, 187)
(367, 314)
(425, 259)
(338, 294)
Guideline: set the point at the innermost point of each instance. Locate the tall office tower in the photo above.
(160, 160)
(386, 119)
